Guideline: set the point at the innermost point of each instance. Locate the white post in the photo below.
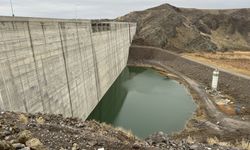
(215, 79)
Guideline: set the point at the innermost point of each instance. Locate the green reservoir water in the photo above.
(144, 101)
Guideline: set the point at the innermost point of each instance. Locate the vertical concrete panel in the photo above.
(50, 67)
(103, 59)
(89, 78)
(18, 69)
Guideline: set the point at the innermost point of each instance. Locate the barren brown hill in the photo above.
(185, 29)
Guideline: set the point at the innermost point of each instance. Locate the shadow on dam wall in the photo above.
(112, 101)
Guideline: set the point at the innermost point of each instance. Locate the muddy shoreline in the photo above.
(208, 121)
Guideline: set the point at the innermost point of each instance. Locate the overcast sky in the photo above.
(89, 9)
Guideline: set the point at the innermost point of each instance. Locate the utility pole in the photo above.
(12, 8)
(76, 12)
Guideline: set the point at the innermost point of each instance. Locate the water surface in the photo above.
(144, 101)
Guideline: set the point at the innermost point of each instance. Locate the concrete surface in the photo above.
(59, 66)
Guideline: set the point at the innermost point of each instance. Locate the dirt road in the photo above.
(232, 61)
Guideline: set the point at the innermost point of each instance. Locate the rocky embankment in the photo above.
(53, 132)
(185, 29)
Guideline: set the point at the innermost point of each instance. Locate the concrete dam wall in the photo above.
(60, 66)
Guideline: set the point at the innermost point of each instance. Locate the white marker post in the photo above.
(215, 79)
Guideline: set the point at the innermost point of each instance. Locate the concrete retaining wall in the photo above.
(59, 66)
(231, 84)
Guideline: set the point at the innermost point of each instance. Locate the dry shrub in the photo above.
(244, 144)
(190, 140)
(23, 119)
(212, 141)
(215, 140)
(127, 133)
(40, 120)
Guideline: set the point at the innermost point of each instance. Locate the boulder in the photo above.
(24, 136)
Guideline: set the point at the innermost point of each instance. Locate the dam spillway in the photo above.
(60, 66)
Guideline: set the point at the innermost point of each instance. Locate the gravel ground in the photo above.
(53, 132)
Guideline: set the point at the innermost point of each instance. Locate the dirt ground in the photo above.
(236, 61)
(20, 131)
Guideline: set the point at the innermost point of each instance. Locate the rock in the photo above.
(18, 145)
(35, 144)
(91, 143)
(4, 145)
(13, 141)
(75, 147)
(194, 147)
(136, 146)
(25, 148)
(158, 137)
(6, 133)
(24, 136)
(161, 133)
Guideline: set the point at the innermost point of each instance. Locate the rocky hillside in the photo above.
(53, 132)
(183, 29)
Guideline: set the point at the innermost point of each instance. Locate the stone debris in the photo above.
(163, 141)
(75, 147)
(18, 145)
(58, 133)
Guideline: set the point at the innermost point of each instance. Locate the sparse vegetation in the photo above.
(189, 30)
(57, 133)
(235, 61)
(243, 144)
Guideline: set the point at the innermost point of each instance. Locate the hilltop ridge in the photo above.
(189, 29)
